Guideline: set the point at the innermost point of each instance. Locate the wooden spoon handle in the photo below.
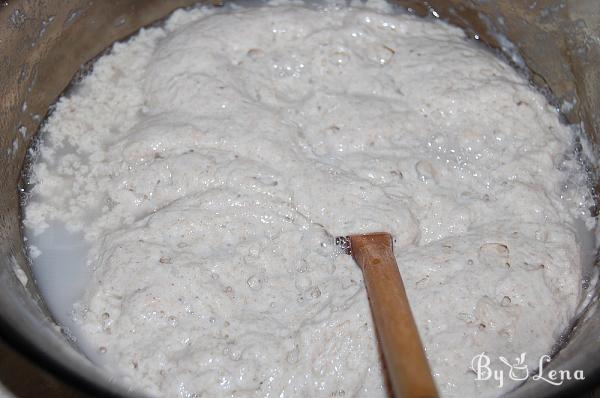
(403, 351)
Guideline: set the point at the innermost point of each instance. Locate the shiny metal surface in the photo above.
(44, 43)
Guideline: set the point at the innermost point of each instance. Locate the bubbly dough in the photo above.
(211, 160)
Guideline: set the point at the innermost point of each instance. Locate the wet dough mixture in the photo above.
(210, 161)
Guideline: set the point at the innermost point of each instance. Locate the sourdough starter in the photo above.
(204, 166)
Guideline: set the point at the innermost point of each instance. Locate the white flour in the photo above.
(209, 162)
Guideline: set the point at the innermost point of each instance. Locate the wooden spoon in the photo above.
(403, 352)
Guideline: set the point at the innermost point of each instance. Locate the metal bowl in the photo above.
(44, 43)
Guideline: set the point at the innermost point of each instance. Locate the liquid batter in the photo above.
(205, 166)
